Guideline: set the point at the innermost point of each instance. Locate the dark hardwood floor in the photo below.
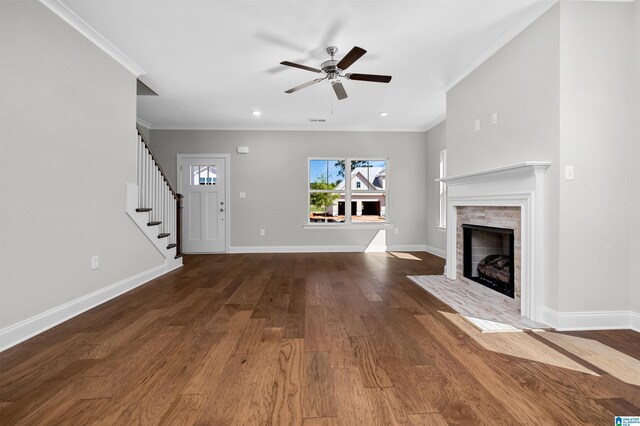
(313, 339)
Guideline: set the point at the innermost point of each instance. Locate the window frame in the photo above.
(348, 223)
(442, 194)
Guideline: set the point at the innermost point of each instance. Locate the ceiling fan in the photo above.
(332, 70)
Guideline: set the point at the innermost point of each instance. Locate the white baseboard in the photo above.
(326, 249)
(30, 327)
(436, 251)
(407, 247)
(296, 249)
(595, 320)
(635, 321)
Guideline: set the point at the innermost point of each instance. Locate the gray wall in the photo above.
(521, 83)
(436, 142)
(563, 93)
(67, 144)
(274, 177)
(596, 102)
(146, 133)
(634, 206)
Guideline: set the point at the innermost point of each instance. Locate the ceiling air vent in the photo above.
(318, 120)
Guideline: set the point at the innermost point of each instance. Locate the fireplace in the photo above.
(508, 197)
(488, 257)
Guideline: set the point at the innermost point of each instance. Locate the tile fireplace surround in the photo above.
(505, 197)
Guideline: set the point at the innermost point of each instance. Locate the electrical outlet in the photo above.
(396, 231)
(262, 233)
(243, 195)
(95, 263)
(494, 118)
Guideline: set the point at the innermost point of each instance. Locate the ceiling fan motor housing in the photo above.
(330, 68)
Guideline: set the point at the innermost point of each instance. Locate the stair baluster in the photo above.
(157, 196)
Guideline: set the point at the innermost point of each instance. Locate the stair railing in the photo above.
(158, 197)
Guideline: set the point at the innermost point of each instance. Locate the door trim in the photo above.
(227, 188)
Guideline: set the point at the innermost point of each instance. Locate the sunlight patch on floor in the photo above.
(488, 326)
(520, 345)
(404, 256)
(614, 362)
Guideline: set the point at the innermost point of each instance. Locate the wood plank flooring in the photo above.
(309, 339)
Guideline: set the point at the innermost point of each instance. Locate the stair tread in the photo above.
(143, 209)
(178, 256)
(163, 235)
(154, 223)
(170, 246)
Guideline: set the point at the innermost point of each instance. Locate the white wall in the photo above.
(274, 177)
(634, 205)
(436, 142)
(67, 112)
(596, 42)
(521, 83)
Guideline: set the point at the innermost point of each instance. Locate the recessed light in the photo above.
(384, 114)
(256, 113)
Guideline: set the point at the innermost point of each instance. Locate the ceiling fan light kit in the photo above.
(332, 70)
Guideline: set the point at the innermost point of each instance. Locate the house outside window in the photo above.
(362, 200)
(203, 175)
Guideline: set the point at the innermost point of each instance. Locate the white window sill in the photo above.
(348, 226)
(441, 228)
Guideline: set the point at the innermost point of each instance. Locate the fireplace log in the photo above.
(495, 267)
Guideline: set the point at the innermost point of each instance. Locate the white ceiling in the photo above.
(213, 62)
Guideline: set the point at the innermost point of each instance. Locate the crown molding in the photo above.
(439, 119)
(92, 35)
(523, 22)
(143, 122)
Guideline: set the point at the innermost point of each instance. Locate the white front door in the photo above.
(204, 213)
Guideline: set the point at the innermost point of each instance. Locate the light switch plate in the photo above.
(243, 195)
(569, 173)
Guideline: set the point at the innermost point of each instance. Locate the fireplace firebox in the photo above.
(488, 257)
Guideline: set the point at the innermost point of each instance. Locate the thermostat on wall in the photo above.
(243, 150)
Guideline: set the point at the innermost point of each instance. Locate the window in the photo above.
(203, 175)
(362, 200)
(442, 222)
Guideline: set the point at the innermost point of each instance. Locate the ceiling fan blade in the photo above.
(353, 55)
(339, 89)
(307, 84)
(369, 77)
(302, 67)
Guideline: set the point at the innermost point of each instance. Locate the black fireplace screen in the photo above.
(488, 257)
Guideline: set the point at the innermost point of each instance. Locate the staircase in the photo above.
(154, 205)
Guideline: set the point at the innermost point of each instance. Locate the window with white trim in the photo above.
(442, 222)
(362, 200)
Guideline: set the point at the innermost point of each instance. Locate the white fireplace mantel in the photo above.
(504, 172)
(517, 185)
